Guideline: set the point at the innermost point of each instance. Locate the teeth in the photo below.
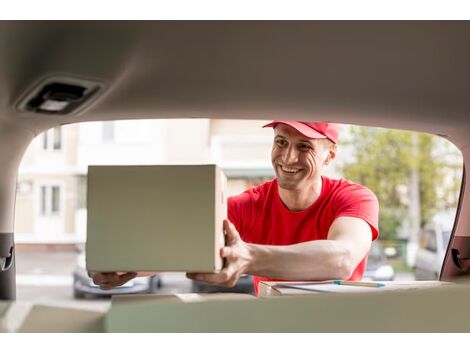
(287, 169)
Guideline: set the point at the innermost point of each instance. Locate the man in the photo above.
(299, 226)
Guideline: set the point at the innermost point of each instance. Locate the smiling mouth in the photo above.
(289, 170)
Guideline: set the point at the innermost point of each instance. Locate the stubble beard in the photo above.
(288, 185)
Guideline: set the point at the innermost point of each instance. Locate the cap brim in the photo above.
(307, 131)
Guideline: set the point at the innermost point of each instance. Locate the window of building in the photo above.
(50, 200)
(52, 139)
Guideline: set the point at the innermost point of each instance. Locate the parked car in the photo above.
(83, 286)
(378, 268)
(432, 248)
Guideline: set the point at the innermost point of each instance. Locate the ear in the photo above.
(331, 154)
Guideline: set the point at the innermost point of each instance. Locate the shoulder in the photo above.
(342, 189)
(354, 200)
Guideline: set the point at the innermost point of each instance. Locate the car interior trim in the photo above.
(7, 267)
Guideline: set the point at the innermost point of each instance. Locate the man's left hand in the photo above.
(237, 260)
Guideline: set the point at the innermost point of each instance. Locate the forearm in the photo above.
(314, 260)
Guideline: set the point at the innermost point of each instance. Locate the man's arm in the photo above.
(348, 242)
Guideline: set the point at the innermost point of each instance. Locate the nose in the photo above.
(290, 155)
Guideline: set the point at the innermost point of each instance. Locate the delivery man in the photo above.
(299, 226)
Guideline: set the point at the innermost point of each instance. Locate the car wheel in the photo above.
(155, 283)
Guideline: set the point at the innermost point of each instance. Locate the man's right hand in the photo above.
(110, 280)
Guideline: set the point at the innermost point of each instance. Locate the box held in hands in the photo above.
(155, 218)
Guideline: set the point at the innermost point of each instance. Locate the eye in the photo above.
(281, 142)
(305, 147)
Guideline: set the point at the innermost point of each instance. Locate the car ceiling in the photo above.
(410, 75)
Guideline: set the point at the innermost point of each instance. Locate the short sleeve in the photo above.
(239, 212)
(244, 209)
(359, 202)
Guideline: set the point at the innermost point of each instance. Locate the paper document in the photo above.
(330, 288)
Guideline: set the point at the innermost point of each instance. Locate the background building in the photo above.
(51, 192)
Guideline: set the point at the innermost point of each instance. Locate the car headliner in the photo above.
(409, 75)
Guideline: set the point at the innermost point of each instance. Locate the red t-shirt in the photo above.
(261, 218)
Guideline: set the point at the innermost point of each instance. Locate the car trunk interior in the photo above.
(410, 75)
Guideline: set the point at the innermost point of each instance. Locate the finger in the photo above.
(117, 280)
(213, 279)
(194, 276)
(201, 276)
(112, 278)
(231, 233)
(128, 276)
(122, 279)
(227, 252)
(233, 229)
(107, 287)
(198, 276)
(224, 278)
(227, 277)
(105, 278)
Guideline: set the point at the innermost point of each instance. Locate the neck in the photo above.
(297, 200)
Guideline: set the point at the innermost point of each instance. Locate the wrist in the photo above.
(252, 263)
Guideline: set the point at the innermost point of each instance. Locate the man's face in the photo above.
(297, 160)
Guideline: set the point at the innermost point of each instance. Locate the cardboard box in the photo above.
(28, 317)
(13, 314)
(276, 288)
(52, 319)
(177, 298)
(147, 312)
(434, 309)
(155, 218)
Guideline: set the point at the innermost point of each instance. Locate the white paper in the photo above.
(331, 288)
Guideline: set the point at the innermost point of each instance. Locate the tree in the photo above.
(392, 163)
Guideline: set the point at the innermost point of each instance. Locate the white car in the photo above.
(378, 268)
(83, 286)
(432, 248)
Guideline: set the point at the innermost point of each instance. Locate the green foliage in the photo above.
(390, 221)
(383, 159)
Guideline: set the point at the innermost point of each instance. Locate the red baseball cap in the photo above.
(312, 129)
